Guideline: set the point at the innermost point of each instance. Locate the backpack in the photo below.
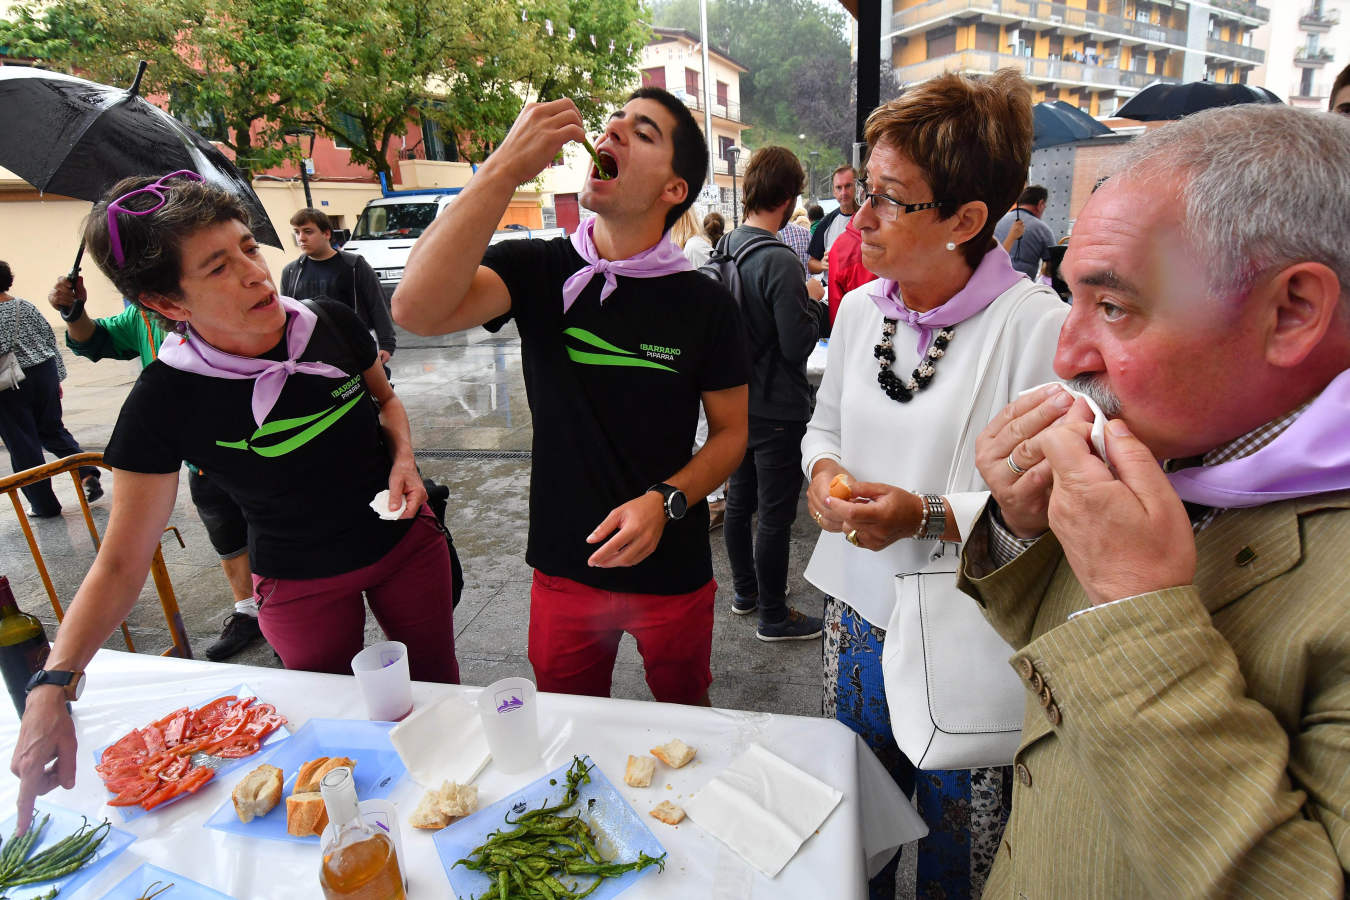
(724, 268)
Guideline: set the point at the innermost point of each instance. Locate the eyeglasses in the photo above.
(156, 189)
(890, 209)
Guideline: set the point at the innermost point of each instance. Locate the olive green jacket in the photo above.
(1193, 742)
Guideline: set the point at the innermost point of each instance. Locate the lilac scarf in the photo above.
(1311, 456)
(992, 277)
(189, 353)
(662, 258)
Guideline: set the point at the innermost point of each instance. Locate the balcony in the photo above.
(730, 110)
(1244, 8)
(1239, 51)
(1306, 57)
(1038, 14)
(1057, 71)
(724, 164)
(1319, 21)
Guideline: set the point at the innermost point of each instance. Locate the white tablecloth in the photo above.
(129, 690)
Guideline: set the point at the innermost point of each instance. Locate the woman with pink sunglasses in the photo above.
(285, 404)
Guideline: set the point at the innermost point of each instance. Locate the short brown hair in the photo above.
(970, 136)
(773, 178)
(1342, 80)
(714, 226)
(844, 168)
(152, 243)
(311, 216)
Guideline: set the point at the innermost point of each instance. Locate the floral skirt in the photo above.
(966, 809)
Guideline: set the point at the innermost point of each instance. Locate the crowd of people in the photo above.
(1169, 590)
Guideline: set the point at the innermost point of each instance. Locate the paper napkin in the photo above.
(442, 742)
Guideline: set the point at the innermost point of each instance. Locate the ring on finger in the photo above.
(1012, 464)
(852, 538)
(820, 520)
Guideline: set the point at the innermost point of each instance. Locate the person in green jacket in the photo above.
(134, 334)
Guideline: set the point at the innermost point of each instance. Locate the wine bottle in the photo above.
(359, 861)
(23, 646)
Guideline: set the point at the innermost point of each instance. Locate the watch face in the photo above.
(677, 505)
(76, 688)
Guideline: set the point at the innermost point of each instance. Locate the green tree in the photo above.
(227, 67)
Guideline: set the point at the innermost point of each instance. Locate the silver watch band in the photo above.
(934, 522)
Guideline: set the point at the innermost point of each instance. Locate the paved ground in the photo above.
(471, 427)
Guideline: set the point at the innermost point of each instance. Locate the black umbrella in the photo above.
(1057, 122)
(64, 135)
(1165, 102)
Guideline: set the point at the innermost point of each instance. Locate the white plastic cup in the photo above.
(511, 723)
(381, 672)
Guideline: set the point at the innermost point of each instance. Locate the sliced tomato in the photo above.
(176, 769)
(211, 715)
(166, 791)
(237, 748)
(130, 744)
(154, 738)
(133, 794)
(196, 778)
(176, 729)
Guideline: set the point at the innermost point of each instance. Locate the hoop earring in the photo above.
(951, 246)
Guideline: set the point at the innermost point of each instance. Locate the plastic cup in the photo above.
(381, 672)
(511, 723)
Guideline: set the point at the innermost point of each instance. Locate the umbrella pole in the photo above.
(136, 84)
(77, 308)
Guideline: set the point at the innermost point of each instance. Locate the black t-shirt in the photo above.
(310, 278)
(304, 480)
(614, 392)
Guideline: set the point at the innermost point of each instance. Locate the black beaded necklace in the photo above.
(904, 391)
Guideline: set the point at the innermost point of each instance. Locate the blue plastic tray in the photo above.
(63, 823)
(620, 832)
(130, 813)
(378, 770)
(138, 882)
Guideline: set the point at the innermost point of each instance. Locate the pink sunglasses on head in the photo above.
(157, 189)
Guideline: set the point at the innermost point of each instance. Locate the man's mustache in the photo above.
(1094, 387)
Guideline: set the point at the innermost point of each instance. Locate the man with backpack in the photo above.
(337, 275)
(781, 326)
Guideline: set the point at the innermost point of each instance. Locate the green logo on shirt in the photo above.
(614, 356)
(310, 428)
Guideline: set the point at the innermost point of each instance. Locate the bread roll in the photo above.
(438, 808)
(840, 488)
(639, 771)
(312, 772)
(258, 793)
(305, 814)
(674, 753)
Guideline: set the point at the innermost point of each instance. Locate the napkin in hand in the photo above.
(1098, 417)
(381, 506)
(763, 808)
(442, 742)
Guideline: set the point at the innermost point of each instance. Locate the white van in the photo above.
(388, 228)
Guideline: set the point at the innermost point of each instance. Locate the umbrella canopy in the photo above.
(1057, 122)
(68, 136)
(1165, 102)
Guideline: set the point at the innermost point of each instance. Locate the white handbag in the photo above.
(11, 373)
(954, 700)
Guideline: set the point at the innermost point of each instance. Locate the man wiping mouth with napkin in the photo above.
(621, 340)
(1183, 629)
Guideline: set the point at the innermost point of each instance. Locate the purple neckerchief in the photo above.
(992, 277)
(662, 258)
(1311, 456)
(190, 353)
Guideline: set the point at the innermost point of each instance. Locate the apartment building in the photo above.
(1307, 44)
(1092, 53)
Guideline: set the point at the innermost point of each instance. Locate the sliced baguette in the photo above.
(258, 793)
(639, 771)
(305, 814)
(312, 772)
(674, 753)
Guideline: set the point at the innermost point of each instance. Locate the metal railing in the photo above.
(1244, 8)
(1041, 12)
(1241, 51)
(1036, 69)
(1321, 19)
(730, 110)
(158, 571)
(742, 161)
(1319, 55)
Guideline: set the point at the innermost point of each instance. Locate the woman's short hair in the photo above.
(970, 136)
(714, 226)
(6, 277)
(152, 243)
(1342, 81)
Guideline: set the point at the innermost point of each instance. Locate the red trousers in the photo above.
(575, 632)
(318, 624)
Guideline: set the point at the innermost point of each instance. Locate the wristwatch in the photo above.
(675, 502)
(72, 683)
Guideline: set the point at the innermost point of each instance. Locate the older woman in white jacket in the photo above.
(919, 361)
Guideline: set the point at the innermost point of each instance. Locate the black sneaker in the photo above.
(45, 513)
(796, 627)
(744, 606)
(93, 488)
(240, 630)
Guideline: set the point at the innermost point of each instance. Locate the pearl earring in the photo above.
(951, 246)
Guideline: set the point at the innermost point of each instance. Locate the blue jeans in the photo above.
(768, 480)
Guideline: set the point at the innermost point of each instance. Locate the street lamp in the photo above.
(732, 152)
(811, 177)
(304, 161)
